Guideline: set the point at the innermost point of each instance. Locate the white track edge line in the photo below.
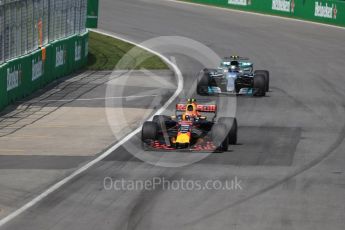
(258, 14)
(67, 179)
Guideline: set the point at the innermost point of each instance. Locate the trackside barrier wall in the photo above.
(36, 66)
(16, 72)
(21, 76)
(59, 57)
(323, 11)
(85, 49)
(92, 13)
(40, 41)
(3, 95)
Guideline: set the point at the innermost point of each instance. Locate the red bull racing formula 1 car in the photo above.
(190, 130)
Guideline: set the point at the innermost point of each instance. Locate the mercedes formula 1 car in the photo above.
(190, 130)
(235, 75)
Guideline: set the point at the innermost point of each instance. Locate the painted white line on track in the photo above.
(254, 13)
(79, 171)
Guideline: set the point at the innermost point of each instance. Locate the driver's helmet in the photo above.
(190, 108)
(234, 66)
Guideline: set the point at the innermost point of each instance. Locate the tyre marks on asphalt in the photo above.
(280, 182)
(19, 116)
(42, 162)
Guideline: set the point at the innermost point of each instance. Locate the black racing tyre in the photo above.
(231, 127)
(202, 90)
(237, 86)
(223, 87)
(220, 137)
(267, 77)
(259, 85)
(203, 82)
(149, 131)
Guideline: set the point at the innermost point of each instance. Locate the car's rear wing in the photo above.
(236, 58)
(200, 108)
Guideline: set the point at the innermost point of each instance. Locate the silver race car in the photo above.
(235, 75)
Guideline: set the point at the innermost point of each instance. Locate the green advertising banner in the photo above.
(3, 91)
(47, 64)
(92, 14)
(21, 76)
(59, 59)
(77, 54)
(25, 87)
(330, 12)
(14, 79)
(36, 80)
(323, 11)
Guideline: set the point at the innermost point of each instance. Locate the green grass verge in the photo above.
(105, 53)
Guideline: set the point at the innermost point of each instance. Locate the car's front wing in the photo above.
(243, 91)
(207, 146)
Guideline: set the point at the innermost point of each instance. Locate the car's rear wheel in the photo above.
(266, 74)
(220, 137)
(231, 127)
(259, 85)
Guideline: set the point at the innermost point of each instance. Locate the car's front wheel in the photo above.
(149, 131)
(266, 74)
(259, 85)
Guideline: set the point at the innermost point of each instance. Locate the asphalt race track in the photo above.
(290, 157)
